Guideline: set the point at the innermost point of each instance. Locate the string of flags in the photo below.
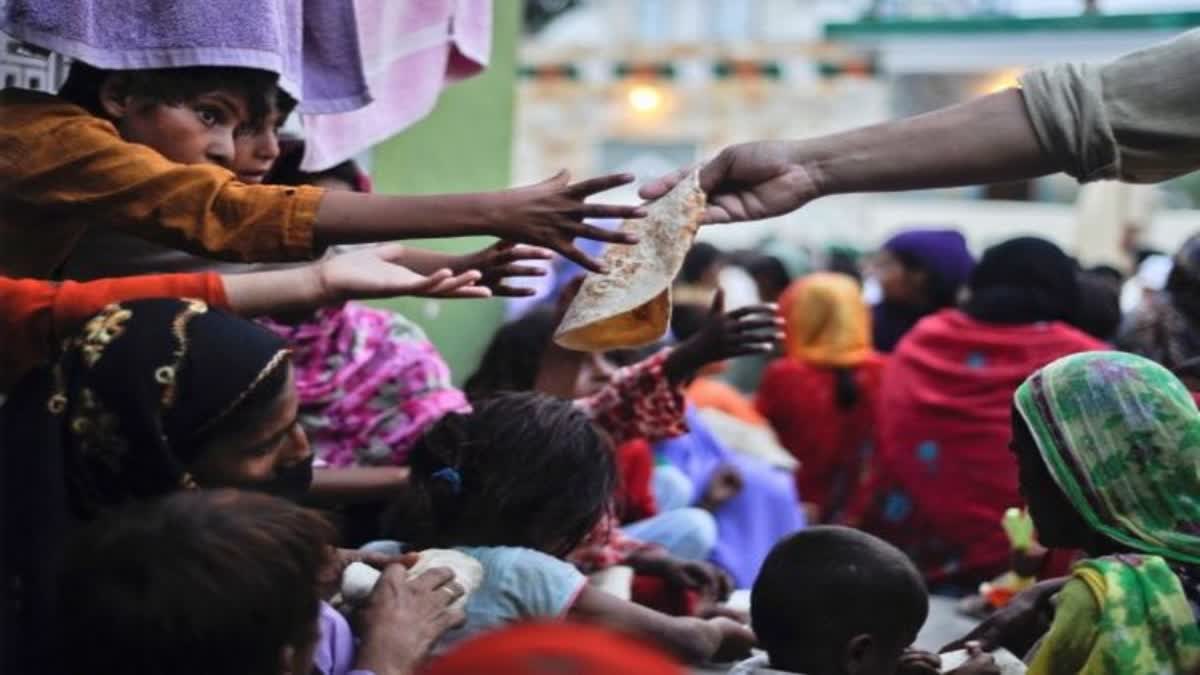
(698, 71)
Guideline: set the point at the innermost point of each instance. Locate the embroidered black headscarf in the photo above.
(120, 415)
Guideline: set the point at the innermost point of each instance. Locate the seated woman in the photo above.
(920, 272)
(151, 397)
(821, 396)
(941, 478)
(1108, 446)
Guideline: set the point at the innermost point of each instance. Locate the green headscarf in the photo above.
(1121, 437)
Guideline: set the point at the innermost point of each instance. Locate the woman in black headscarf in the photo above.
(1023, 281)
(151, 397)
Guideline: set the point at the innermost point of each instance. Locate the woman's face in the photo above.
(1058, 524)
(900, 284)
(259, 453)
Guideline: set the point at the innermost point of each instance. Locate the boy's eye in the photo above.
(209, 116)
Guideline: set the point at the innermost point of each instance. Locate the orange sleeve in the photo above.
(57, 157)
(36, 315)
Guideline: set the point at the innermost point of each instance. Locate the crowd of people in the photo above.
(201, 429)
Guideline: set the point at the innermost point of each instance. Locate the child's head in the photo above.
(521, 469)
(836, 600)
(347, 176)
(257, 145)
(189, 115)
(199, 582)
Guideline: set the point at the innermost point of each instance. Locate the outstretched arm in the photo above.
(990, 139)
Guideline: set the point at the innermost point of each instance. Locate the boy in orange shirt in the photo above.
(147, 152)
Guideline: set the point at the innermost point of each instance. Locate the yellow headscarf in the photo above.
(826, 321)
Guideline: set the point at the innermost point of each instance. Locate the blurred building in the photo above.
(650, 85)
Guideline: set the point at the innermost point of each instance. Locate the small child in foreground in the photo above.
(519, 483)
(836, 601)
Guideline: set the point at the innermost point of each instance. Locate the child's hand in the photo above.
(749, 330)
(551, 213)
(704, 577)
(725, 484)
(736, 640)
(403, 619)
(373, 272)
(503, 261)
(917, 662)
(978, 663)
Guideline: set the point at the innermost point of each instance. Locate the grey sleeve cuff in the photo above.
(1065, 102)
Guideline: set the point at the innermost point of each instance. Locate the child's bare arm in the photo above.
(498, 263)
(548, 214)
(693, 640)
(361, 274)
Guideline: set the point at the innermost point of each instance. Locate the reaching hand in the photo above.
(916, 662)
(978, 662)
(551, 213)
(403, 619)
(725, 484)
(750, 181)
(706, 578)
(749, 330)
(1017, 625)
(373, 272)
(736, 640)
(503, 261)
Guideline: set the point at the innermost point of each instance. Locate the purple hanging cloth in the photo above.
(312, 44)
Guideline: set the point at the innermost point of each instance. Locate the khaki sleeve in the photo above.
(1136, 119)
(81, 168)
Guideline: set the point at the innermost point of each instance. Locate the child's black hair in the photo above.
(286, 170)
(700, 258)
(768, 269)
(1099, 312)
(521, 469)
(823, 586)
(512, 358)
(173, 86)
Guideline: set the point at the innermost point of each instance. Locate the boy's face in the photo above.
(256, 147)
(198, 131)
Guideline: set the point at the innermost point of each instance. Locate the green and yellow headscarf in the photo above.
(1121, 437)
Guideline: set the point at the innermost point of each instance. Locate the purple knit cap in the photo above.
(942, 252)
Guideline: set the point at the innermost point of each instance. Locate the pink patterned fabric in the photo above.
(370, 384)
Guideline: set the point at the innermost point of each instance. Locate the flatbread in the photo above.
(359, 579)
(630, 306)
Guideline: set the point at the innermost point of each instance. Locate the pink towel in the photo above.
(410, 51)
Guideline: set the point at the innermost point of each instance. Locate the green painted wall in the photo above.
(465, 145)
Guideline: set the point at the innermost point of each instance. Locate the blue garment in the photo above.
(748, 526)
(518, 584)
(687, 533)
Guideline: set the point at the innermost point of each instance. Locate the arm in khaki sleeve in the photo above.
(1135, 119)
(77, 165)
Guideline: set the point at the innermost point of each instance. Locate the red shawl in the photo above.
(943, 472)
(832, 444)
